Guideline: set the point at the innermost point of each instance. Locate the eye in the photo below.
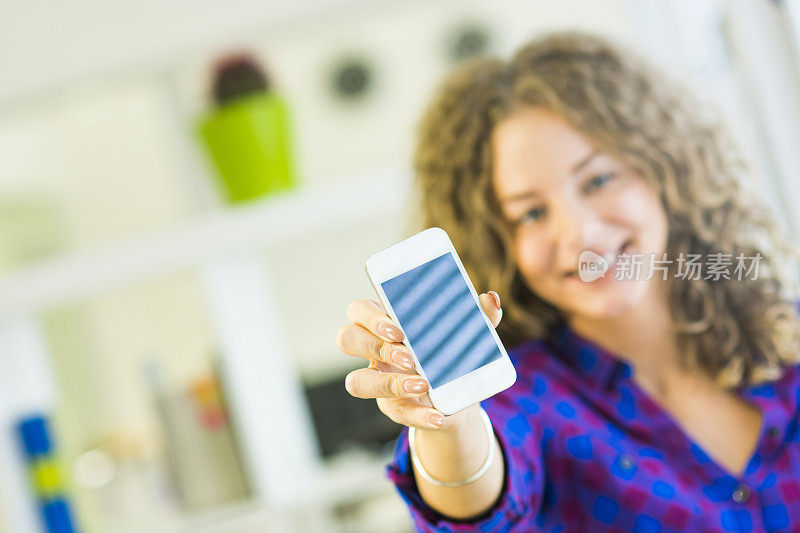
(532, 215)
(597, 182)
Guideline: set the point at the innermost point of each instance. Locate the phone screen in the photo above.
(443, 324)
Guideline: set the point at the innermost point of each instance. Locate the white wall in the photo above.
(110, 138)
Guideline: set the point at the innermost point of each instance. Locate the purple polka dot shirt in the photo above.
(587, 450)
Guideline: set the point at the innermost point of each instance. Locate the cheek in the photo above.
(638, 207)
(533, 257)
(634, 204)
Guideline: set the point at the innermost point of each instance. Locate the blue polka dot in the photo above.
(605, 510)
(719, 490)
(506, 528)
(646, 524)
(539, 386)
(792, 432)
(775, 517)
(547, 436)
(616, 433)
(586, 358)
(650, 452)
(768, 482)
(623, 473)
(492, 524)
(665, 490)
(527, 476)
(754, 463)
(565, 409)
(736, 520)
(626, 406)
(765, 391)
(625, 370)
(617, 445)
(518, 428)
(580, 447)
(699, 454)
(528, 405)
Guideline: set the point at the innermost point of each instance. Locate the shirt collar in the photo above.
(778, 400)
(601, 367)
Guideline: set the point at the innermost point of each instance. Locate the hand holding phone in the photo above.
(384, 379)
(424, 287)
(447, 335)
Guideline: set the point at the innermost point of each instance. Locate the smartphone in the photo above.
(426, 291)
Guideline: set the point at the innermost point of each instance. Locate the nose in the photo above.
(575, 227)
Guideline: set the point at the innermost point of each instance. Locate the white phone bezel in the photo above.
(470, 388)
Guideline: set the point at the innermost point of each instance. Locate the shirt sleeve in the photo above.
(519, 501)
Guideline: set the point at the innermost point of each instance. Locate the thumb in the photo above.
(490, 301)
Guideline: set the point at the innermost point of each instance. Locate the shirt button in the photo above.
(626, 462)
(773, 432)
(741, 494)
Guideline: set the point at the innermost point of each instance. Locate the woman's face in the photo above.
(563, 196)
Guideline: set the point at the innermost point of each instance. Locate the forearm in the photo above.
(456, 455)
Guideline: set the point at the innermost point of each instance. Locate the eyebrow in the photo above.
(532, 194)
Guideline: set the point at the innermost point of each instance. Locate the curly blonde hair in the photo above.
(738, 331)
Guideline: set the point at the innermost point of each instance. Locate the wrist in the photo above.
(464, 421)
(457, 451)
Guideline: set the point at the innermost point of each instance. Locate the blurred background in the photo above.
(188, 192)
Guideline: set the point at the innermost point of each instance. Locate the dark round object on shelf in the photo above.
(468, 40)
(237, 76)
(352, 78)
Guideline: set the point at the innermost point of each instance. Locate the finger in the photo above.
(380, 305)
(370, 383)
(380, 366)
(490, 301)
(356, 340)
(411, 412)
(365, 312)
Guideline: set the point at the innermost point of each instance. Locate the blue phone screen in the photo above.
(441, 321)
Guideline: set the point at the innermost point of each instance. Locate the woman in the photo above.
(666, 402)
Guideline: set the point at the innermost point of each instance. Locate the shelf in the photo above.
(80, 275)
(224, 247)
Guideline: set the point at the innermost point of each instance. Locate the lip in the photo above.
(624, 248)
(611, 257)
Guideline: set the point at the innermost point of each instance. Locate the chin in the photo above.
(614, 299)
(603, 307)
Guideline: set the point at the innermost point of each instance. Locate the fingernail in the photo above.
(496, 298)
(403, 359)
(415, 386)
(435, 419)
(390, 331)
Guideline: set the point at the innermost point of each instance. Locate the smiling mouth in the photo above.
(611, 258)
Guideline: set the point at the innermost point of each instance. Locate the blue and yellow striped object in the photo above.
(46, 479)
